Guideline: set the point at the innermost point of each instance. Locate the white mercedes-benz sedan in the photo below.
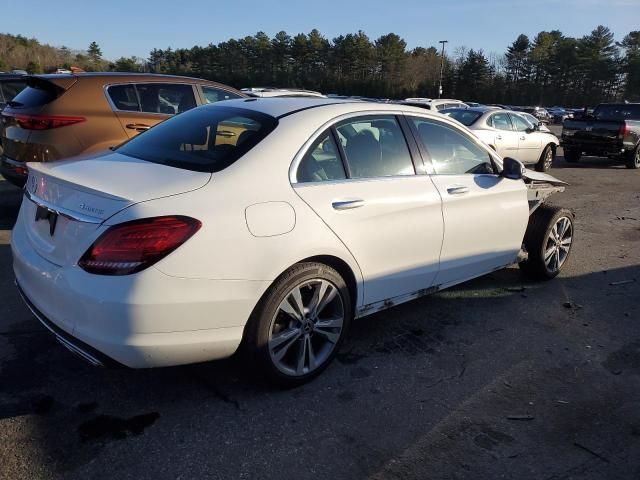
(266, 226)
(510, 134)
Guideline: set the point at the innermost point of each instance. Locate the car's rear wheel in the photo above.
(572, 156)
(546, 159)
(299, 325)
(548, 241)
(633, 161)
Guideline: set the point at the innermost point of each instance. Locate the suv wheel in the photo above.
(548, 240)
(633, 161)
(299, 325)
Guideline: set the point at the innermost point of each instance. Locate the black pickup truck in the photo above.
(612, 130)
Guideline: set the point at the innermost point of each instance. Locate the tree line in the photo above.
(550, 68)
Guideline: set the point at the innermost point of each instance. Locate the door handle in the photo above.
(140, 127)
(226, 133)
(347, 204)
(522, 137)
(498, 137)
(457, 190)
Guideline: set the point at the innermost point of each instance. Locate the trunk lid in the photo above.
(68, 201)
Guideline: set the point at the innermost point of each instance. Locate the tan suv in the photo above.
(62, 116)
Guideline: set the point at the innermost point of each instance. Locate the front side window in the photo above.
(375, 147)
(500, 121)
(207, 139)
(451, 151)
(212, 95)
(322, 162)
(520, 124)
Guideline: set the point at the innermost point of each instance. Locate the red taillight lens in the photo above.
(44, 122)
(624, 130)
(133, 246)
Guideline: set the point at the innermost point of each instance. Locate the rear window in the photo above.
(617, 112)
(34, 96)
(465, 117)
(206, 139)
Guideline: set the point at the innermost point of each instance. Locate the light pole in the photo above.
(441, 67)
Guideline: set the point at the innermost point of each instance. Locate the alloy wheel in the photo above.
(558, 244)
(306, 327)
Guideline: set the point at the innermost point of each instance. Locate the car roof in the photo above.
(279, 107)
(126, 76)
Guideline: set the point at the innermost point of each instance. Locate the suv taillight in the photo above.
(624, 130)
(44, 122)
(133, 246)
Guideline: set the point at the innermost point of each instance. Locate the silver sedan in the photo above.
(510, 134)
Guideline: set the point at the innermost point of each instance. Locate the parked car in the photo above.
(435, 105)
(509, 134)
(269, 225)
(62, 116)
(534, 121)
(265, 92)
(10, 86)
(540, 113)
(559, 114)
(612, 130)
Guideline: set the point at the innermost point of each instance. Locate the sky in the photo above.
(129, 27)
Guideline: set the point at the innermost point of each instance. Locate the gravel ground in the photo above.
(497, 378)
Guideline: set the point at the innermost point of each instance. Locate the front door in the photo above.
(529, 142)
(485, 215)
(360, 179)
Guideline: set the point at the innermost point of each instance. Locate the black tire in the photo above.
(572, 156)
(546, 159)
(537, 241)
(255, 348)
(633, 160)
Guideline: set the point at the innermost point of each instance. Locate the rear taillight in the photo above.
(133, 246)
(44, 122)
(624, 130)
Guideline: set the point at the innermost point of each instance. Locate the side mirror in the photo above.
(512, 169)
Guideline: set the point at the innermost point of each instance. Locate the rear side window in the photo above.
(124, 97)
(322, 162)
(375, 147)
(212, 95)
(207, 139)
(165, 98)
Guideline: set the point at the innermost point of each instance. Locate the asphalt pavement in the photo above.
(497, 378)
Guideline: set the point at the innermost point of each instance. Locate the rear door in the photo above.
(359, 177)
(140, 106)
(485, 215)
(505, 138)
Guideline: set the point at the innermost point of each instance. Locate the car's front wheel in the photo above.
(299, 325)
(548, 241)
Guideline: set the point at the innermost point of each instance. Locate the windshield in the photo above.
(617, 112)
(465, 117)
(205, 139)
